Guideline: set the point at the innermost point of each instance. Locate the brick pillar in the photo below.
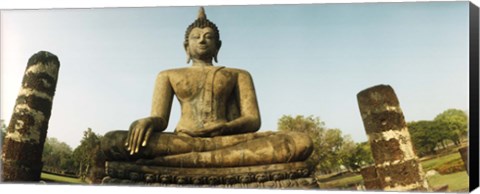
(370, 178)
(464, 154)
(396, 165)
(27, 130)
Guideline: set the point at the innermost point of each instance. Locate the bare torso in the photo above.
(208, 95)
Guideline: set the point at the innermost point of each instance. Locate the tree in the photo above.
(426, 135)
(450, 125)
(89, 157)
(365, 152)
(3, 131)
(356, 156)
(57, 157)
(309, 125)
(455, 122)
(346, 152)
(331, 148)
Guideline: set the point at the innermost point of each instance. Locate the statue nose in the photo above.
(202, 40)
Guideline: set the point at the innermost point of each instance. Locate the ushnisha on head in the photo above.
(202, 23)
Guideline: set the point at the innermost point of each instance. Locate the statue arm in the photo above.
(249, 120)
(141, 129)
(162, 101)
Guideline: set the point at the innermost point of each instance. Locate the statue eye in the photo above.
(208, 35)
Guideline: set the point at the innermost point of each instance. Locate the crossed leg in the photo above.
(167, 149)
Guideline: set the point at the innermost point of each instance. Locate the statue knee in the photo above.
(113, 142)
(303, 145)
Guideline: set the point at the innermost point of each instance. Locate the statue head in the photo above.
(202, 24)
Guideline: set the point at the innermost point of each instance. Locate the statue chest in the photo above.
(204, 86)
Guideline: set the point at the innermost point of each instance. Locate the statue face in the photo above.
(202, 43)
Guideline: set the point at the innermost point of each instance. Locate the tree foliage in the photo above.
(3, 131)
(428, 136)
(356, 155)
(455, 122)
(57, 157)
(89, 158)
(332, 149)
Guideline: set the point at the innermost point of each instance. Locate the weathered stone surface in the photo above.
(387, 151)
(401, 175)
(369, 172)
(396, 164)
(380, 109)
(210, 176)
(300, 183)
(371, 180)
(464, 154)
(26, 132)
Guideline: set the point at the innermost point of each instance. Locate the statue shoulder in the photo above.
(170, 72)
(240, 72)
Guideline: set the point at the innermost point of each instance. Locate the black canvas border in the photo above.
(474, 98)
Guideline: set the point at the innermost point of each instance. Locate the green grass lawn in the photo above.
(436, 162)
(60, 179)
(457, 182)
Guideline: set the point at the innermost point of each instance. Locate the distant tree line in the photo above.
(85, 161)
(448, 127)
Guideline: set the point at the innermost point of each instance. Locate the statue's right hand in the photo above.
(139, 133)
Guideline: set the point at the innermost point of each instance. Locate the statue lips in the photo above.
(203, 48)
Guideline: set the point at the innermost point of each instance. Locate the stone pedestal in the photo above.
(288, 175)
(396, 165)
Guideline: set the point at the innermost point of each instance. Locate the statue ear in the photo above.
(219, 44)
(215, 57)
(185, 46)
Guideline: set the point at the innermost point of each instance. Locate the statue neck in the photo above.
(197, 62)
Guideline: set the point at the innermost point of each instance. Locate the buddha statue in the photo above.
(218, 124)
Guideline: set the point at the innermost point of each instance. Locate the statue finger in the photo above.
(147, 136)
(139, 139)
(133, 141)
(127, 142)
(131, 135)
(129, 138)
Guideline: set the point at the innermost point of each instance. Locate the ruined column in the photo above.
(396, 165)
(370, 178)
(464, 154)
(26, 132)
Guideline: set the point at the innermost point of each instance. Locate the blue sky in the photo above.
(304, 59)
